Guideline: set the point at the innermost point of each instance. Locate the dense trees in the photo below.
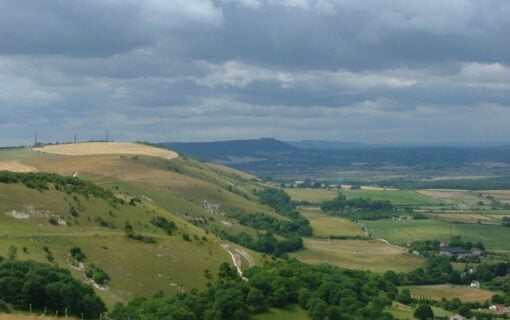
(341, 203)
(325, 291)
(25, 283)
(266, 240)
(43, 181)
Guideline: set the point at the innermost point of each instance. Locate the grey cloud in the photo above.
(383, 71)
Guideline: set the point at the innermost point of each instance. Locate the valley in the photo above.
(149, 220)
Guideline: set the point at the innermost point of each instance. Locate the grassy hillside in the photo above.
(43, 225)
(99, 232)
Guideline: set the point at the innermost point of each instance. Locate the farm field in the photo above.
(462, 198)
(397, 197)
(97, 148)
(324, 225)
(290, 312)
(370, 255)
(403, 312)
(437, 292)
(469, 217)
(495, 237)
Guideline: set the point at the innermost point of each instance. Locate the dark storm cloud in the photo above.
(379, 70)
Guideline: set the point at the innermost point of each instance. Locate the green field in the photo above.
(403, 312)
(324, 225)
(358, 254)
(494, 237)
(437, 292)
(18, 154)
(397, 197)
(289, 312)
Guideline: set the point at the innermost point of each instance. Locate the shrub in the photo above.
(163, 223)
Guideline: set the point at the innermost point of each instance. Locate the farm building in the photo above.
(454, 251)
(459, 252)
(499, 308)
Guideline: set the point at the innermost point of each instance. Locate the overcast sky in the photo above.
(394, 71)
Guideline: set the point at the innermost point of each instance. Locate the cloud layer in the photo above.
(375, 71)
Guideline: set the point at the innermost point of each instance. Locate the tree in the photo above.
(465, 311)
(404, 296)
(256, 300)
(423, 312)
(227, 271)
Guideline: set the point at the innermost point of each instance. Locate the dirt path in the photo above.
(236, 255)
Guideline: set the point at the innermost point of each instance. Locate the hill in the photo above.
(126, 210)
(234, 150)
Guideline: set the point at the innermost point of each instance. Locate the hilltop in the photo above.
(234, 150)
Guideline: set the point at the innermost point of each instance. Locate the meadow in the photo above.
(370, 255)
(325, 226)
(404, 312)
(397, 197)
(294, 312)
(495, 237)
(437, 292)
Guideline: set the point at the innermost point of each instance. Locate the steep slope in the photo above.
(43, 225)
(44, 216)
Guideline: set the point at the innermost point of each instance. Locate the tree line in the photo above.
(28, 285)
(341, 204)
(326, 292)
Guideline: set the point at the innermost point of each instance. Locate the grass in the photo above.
(17, 154)
(397, 197)
(15, 166)
(358, 254)
(324, 225)
(400, 232)
(21, 316)
(403, 312)
(173, 261)
(170, 188)
(289, 312)
(437, 292)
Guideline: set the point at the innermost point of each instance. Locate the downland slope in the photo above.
(44, 216)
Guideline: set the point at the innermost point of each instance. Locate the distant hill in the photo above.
(227, 150)
(328, 145)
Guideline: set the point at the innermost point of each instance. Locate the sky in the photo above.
(373, 71)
